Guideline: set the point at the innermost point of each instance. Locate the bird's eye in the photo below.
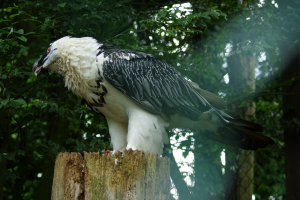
(48, 50)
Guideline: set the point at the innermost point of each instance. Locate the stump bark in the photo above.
(130, 175)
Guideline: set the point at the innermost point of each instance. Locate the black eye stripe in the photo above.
(42, 61)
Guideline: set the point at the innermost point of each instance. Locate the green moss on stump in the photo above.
(132, 175)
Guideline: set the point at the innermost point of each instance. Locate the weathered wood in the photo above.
(130, 175)
(68, 177)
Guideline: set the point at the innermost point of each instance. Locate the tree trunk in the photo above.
(242, 77)
(291, 117)
(290, 66)
(131, 175)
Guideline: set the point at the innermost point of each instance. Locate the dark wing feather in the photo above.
(153, 84)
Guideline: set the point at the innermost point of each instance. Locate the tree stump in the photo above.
(130, 175)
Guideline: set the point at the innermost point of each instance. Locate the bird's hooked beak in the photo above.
(38, 70)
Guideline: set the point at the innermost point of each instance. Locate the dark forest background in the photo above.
(247, 52)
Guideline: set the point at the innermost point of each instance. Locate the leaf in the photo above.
(206, 16)
(4, 102)
(29, 33)
(62, 4)
(10, 156)
(8, 175)
(213, 8)
(100, 141)
(21, 152)
(94, 141)
(172, 33)
(79, 143)
(43, 105)
(70, 31)
(56, 146)
(62, 110)
(24, 51)
(11, 16)
(24, 39)
(265, 45)
(161, 14)
(69, 140)
(296, 121)
(19, 102)
(20, 31)
(50, 143)
(3, 20)
(243, 104)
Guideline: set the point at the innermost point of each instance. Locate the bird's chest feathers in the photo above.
(81, 81)
(104, 98)
(88, 83)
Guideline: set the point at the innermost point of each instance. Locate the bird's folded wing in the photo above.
(213, 99)
(153, 84)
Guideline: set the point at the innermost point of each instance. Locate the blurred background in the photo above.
(247, 52)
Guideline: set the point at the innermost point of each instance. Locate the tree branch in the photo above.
(264, 92)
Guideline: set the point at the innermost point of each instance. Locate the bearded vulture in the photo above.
(141, 96)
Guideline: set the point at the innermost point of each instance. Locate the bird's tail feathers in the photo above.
(236, 132)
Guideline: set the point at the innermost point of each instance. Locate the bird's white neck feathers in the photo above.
(77, 62)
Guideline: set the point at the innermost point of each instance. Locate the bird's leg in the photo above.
(118, 132)
(145, 131)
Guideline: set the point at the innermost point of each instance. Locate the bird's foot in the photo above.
(106, 152)
(110, 152)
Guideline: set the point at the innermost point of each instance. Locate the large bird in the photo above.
(141, 96)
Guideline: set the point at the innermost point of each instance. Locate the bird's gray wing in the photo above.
(153, 84)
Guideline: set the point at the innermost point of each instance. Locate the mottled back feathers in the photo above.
(152, 83)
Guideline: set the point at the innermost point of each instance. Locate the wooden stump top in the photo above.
(128, 175)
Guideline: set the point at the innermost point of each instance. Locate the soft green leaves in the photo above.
(161, 14)
(265, 45)
(4, 102)
(4, 76)
(94, 141)
(172, 33)
(54, 144)
(21, 152)
(17, 103)
(9, 156)
(24, 51)
(62, 4)
(20, 31)
(24, 39)
(14, 103)
(12, 16)
(69, 140)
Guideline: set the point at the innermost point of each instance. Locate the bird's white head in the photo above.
(49, 58)
(73, 58)
(65, 52)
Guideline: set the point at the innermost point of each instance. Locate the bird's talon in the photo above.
(106, 152)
